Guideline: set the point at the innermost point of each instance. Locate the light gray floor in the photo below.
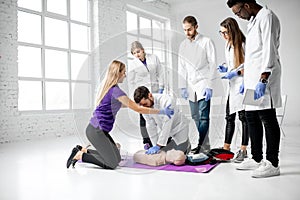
(36, 170)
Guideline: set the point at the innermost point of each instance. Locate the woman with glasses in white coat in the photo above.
(235, 56)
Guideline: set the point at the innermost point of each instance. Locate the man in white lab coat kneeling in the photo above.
(161, 128)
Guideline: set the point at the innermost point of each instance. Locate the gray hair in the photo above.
(136, 45)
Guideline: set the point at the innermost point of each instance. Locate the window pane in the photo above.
(81, 93)
(79, 37)
(157, 30)
(29, 28)
(79, 10)
(145, 26)
(29, 62)
(32, 4)
(56, 64)
(57, 95)
(147, 44)
(80, 67)
(56, 33)
(57, 6)
(30, 95)
(159, 50)
(131, 22)
(130, 39)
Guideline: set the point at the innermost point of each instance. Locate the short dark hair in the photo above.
(140, 93)
(191, 20)
(231, 3)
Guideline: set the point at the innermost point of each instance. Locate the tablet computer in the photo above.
(249, 98)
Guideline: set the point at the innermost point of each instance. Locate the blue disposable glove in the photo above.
(161, 90)
(167, 111)
(184, 93)
(222, 68)
(241, 88)
(153, 150)
(230, 75)
(207, 94)
(260, 90)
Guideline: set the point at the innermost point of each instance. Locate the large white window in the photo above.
(150, 30)
(54, 55)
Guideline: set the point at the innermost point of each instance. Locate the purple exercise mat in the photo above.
(169, 167)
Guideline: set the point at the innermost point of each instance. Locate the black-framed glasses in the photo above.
(223, 33)
(239, 11)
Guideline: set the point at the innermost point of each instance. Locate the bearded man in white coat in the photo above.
(197, 70)
(160, 129)
(262, 73)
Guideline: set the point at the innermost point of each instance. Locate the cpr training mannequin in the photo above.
(173, 156)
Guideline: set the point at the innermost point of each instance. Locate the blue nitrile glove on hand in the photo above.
(153, 150)
(222, 68)
(184, 93)
(230, 75)
(241, 88)
(260, 90)
(207, 94)
(161, 90)
(167, 111)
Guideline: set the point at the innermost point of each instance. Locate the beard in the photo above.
(151, 103)
(192, 36)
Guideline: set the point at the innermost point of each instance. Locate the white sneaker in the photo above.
(248, 164)
(266, 169)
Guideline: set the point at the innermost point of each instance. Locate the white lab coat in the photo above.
(197, 66)
(151, 76)
(261, 55)
(235, 98)
(160, 127)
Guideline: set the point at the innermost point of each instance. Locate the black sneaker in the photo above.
(147, 141)
(196, 150)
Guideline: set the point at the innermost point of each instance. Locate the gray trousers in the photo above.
(185, 146)
(106, 154)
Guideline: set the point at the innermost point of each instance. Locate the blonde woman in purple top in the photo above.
(109, 102)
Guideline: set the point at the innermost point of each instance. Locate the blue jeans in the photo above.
(200, 113)
(256, 120)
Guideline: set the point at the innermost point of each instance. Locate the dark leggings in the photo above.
(106, 154)
(230, 126)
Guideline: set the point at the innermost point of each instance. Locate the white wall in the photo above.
(211, 13)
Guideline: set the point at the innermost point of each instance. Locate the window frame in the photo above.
(43, 80)
(138, 35)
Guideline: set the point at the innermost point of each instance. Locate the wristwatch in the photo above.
(265, 81)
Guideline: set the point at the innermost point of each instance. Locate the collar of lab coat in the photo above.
(156, 104)
(259, 15)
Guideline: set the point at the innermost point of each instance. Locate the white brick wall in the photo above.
(111, 38)
(14, 125)
(8, 70)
